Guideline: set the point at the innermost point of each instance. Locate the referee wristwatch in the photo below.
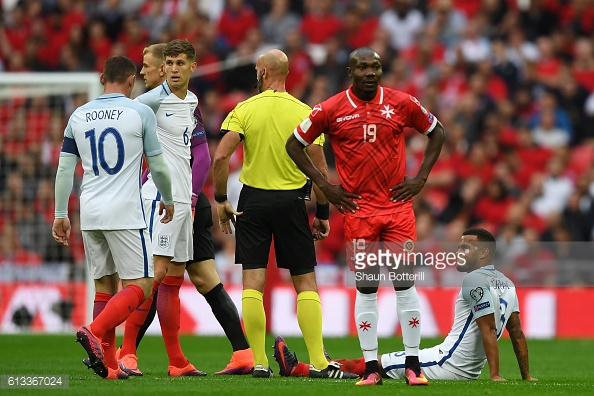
(220, 198)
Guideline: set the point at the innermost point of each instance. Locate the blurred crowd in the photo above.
(511, 80)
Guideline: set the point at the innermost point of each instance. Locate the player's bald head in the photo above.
(361, 52)
(275, 62)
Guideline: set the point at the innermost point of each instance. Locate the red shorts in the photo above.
(397, 232)
(396, 227)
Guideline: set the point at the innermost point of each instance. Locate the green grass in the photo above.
(562, 367)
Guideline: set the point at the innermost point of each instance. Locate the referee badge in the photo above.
(164, 241)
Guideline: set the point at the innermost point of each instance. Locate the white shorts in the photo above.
(127, 252)
(173, 239)
(393, 365)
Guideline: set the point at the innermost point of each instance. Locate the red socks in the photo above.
(109, 339)
(301, 370)
(168, 309)
(134, 323)
(355, 366)
(119, 307)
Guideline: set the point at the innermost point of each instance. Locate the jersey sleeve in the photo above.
(234, 122)
(313, 126)
(150, 140)
(152, 99)
(476, 292)
(419, 117)
(69, 146)
(516, 305)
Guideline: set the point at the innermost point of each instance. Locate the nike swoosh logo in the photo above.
(168, 115)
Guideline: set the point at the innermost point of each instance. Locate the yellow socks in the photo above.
(254, 320)
(309, 316)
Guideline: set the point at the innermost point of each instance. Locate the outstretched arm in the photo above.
(516, 334)
(486, 325)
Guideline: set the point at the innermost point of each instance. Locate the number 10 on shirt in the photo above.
(98, 150)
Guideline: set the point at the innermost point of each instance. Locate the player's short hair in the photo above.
(156, 50)
(117, 69)
(354, 56)
(177, 47)
(484, 237)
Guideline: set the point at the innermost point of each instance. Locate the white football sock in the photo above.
(408, 308)
(366, 319)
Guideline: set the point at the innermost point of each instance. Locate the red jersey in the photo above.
(368, 143)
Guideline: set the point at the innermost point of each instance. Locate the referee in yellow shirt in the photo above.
(271, 204)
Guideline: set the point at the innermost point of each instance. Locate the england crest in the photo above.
(164, 241)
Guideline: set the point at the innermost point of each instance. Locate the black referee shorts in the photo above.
(202, 236)
(278, 214)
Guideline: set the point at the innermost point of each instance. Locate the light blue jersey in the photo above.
(175, 124)
(110, 134)
(484, 291)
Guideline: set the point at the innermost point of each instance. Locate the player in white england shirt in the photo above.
(110, 135)
(487, 304)
(174, 107)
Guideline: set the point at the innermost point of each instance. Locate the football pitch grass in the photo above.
(561, 366)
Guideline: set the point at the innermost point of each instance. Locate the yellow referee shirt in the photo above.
(265, 122)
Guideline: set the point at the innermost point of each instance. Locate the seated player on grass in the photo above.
(487, 303)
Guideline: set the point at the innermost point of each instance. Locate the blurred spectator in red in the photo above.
(441, 182)
(99, 43)
(403, 23)
(493, 205)
(74, 13)
(16, 29)
(319, 22)
(476, 164)
(359, 24)
(583, 63)
(496, 87)
(134, 38)
(300, 64)
(578, 17)
(548, 65)
(277, 24)
(236, 19)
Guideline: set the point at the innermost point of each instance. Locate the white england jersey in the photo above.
(484, 291)
(110, 134)
(175, 124)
